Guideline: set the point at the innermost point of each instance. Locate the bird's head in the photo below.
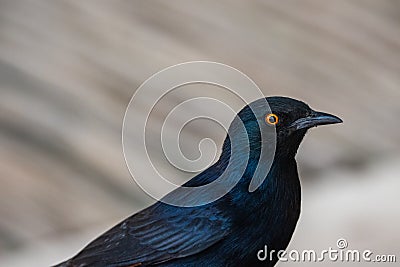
(279, 122)
(267, 131)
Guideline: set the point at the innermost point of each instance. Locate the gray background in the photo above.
(69, 68)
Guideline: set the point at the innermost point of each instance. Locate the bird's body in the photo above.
(231, 230)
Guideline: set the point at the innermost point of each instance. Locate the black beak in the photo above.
(315, 119)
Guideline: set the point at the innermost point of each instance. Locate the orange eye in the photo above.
(271, 119)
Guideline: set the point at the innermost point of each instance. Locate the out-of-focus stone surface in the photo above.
(69, 68)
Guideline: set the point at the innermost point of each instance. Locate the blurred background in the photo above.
(69, 68)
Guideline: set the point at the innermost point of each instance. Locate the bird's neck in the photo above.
(245, 165)
(286, 148)
(280, 180)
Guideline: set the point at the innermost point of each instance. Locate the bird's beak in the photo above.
(315, 119)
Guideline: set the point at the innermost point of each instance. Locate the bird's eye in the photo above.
(271, 119)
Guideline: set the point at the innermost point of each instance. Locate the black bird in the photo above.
(233, 229)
